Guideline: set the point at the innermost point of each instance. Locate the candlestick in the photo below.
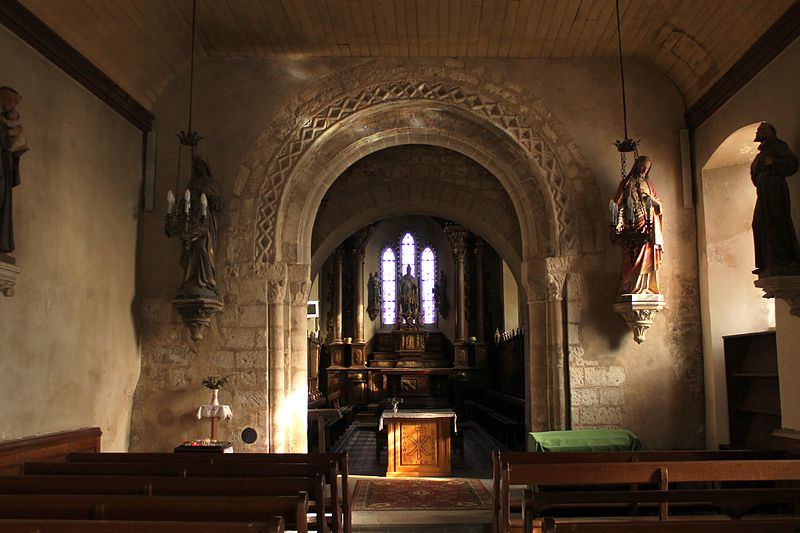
(170, 201)
(187, 200)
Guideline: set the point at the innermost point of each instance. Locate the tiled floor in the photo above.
(476, 463)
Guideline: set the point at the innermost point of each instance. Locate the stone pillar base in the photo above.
(784, 286)
(8, 275)
(639, 311)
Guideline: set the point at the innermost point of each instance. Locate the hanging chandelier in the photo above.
(626, 145)
(192, 220)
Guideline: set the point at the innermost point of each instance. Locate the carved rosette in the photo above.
(8, 278)
(639, 311)
(197, 313)
(787, 288)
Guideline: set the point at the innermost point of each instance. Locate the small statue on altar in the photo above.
(373, 296)
(774, 235)
(636, 224)
(12, 146)
(409, 299)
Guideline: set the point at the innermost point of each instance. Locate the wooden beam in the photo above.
(780, 35)
(38, 35)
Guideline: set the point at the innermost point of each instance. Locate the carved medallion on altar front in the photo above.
(418, 443)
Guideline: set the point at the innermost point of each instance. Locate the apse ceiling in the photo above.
(143, 44)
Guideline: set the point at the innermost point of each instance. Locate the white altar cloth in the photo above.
(419, 413)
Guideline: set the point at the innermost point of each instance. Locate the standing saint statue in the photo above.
(637, 225)
(409, 298)
(199, 237)
(774, 235)
(12, 146)
(373, 295)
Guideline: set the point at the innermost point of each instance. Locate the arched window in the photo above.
(389, 289)
(427, 273)
(408, 255)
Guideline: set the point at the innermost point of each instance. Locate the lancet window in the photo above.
(423, 267)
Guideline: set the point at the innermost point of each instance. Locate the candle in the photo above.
(613, 212)
(187, 201)
(170, 201)
(203, 204)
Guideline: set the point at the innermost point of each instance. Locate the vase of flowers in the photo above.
(215, 383)
(395, 402)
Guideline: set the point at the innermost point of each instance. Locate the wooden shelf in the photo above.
(751, 369)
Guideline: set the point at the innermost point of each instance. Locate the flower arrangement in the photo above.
(216, 382)
(395, 402)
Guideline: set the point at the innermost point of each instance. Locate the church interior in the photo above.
(390, 230)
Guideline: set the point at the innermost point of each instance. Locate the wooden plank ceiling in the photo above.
(144, 44)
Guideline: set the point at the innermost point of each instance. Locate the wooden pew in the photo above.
(170, 486)
(499, 458)
(293, 509)
(273, 525)
(660, 473)
(340, 500)
(53, 446)
(731, 503)
(766, 524)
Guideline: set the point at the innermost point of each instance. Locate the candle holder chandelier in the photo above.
(192, 220)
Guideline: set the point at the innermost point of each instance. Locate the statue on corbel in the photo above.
(636, 215)
(373, 295)
(193, 220)
(12, 146)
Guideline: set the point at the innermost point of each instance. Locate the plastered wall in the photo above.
(68, 346)
(615, 382)
(770, 96)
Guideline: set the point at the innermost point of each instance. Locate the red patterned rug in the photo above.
(420, 495)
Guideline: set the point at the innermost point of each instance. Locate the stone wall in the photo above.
(68, 343)
(265, 102)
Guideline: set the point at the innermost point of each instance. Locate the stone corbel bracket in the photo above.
(639, 311)
(8, 278)
(197, 313)
(787, 288)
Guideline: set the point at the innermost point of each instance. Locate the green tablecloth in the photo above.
(583, 440)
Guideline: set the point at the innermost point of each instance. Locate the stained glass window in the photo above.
(427, 269)
(408, 255)
(389, 286)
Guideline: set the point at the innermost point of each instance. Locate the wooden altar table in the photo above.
(418, 442)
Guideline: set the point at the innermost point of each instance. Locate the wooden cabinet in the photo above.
(754, 406)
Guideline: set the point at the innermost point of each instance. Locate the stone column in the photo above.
(297, 371)
(556, 386)
(480, 248)
(276, 345)
(458, 238)
(338, 258)
(358, 298)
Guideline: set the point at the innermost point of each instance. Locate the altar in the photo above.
(418, 442)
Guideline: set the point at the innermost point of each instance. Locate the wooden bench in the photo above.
(293, 509)
(53, 446)
(730, 503)
(273, 525)
(170, 486)
(659, 473)
(340, 499)
(499, 458)
(715, 525)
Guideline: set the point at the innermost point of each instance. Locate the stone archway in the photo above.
(347, 116)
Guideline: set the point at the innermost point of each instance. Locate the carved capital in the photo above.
(8, 278)
(276, 290)
(639, 311)
(338, 255)
(555, 286)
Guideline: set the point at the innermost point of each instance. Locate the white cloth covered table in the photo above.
(419, 413)
(215, 411)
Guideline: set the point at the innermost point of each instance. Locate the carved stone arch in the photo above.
(272, 162)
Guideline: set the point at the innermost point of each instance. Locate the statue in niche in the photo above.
(200, 238)
(409, 299)
(373, 296)
(440, 295)
(12, 146)
(636, 220)
(774, 235)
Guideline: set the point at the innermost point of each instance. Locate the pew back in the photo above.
(273, 525)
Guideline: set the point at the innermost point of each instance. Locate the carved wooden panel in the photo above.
(419, 447)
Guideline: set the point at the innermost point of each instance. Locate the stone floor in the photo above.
(476, 464)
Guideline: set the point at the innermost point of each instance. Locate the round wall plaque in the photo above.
(249, 435)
